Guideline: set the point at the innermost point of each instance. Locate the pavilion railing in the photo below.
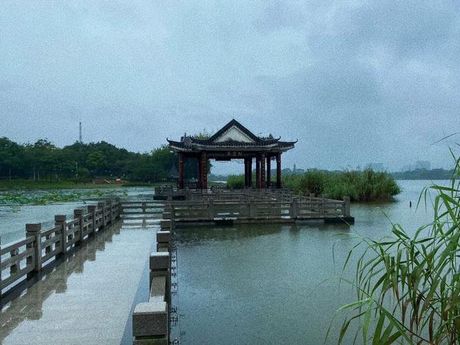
(294, 208)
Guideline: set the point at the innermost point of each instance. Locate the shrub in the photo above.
(235, 182)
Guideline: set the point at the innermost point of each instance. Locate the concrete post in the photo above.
(78, 214)
(60, 220)
(33, 230)
(92, 212)
(346, 206)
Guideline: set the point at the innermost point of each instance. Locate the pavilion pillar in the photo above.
(181, 170)
(200, 173)
(246, 172)
(204, 171)
(269, 172)
(262, 171)
(257, 171)
(250, 172)
(278, 170)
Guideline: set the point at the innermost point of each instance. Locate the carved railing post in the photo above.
(78, 214)
(101, 206)
(110, 213)
(61, 221)
(33, 230)
(92, 213)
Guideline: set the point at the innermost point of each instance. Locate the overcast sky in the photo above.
(354, 81)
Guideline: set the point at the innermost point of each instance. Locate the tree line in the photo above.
(44, 161)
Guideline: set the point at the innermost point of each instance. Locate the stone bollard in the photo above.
(92, 212)
(33, 230)
(163, 239)
(78, 214)
(165, 224)
(61, 221)
(159, 266)
(150, 320)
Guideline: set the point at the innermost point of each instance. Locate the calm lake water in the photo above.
(13, 218)
(276, 284)
(265, 284)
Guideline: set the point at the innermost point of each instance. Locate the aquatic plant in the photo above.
(408, 286)
(43, 198)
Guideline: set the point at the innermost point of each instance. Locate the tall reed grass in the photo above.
(363, 186)
(408, 287)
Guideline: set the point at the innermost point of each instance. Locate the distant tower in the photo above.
(80, 136)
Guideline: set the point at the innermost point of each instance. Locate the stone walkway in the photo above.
(87, 299)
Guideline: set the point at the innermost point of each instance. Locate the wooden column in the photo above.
(250, 172)
(246, 172)
(200, 173)
(278, 170)
(181, 171)
(204, 171)
(269, 172)
(257, 171)
(262, 171)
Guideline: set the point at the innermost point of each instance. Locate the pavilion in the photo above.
(233, 141)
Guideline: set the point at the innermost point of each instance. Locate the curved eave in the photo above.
(200, 148)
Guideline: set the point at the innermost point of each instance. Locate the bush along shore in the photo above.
(360, 186)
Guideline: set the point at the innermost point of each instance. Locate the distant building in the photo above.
(408, 167)
(422, 165)
(376, 166)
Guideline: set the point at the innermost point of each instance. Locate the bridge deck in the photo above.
(85, 300)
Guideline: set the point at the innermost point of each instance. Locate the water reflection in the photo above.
(29, 304)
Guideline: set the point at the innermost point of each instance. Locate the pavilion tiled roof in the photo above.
(190, 143)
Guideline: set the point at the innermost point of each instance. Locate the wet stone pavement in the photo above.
(88, 298)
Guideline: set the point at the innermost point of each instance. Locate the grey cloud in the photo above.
(354, 81)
